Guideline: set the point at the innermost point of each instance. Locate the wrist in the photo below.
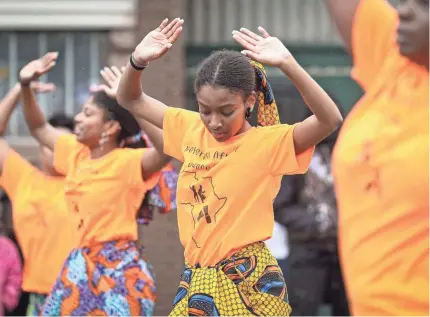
(289, 65)
(24, 83)
(137, 64)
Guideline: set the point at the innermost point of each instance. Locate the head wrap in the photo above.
(267, 110)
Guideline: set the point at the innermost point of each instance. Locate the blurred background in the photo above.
(90, 34)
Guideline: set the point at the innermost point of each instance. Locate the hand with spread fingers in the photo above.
(158, 41)
(264, 49)
(40, 87)
(111, 76)
(37, 68)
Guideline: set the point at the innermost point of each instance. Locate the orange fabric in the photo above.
(41, 222)
(225, 190)
(380, 167)
(103, 193)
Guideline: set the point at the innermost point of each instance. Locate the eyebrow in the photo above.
(223, 106)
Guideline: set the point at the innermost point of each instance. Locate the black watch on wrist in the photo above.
(135, 65)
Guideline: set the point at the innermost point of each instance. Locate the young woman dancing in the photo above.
(105, 185)
(39, 212)
(231, 171)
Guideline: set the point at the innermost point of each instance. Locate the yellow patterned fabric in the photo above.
(247, 284)
(267, 111)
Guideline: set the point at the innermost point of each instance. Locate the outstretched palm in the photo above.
(112, 77)
(38, 67)
(158, 41)
(264, 49)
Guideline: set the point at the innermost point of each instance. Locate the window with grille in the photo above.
(81, 55)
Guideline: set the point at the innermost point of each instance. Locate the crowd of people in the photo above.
(353, 201)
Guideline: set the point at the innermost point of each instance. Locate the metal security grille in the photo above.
(297, 21)
(78, 66)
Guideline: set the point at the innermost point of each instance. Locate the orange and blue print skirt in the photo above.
(249, 283)
(109, 279)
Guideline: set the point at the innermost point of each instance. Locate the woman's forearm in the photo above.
(32, 112)
(7, 105)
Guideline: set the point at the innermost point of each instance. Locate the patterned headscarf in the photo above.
(163, 195)
(267, 110)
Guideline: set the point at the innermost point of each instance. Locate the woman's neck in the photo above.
(99, 151)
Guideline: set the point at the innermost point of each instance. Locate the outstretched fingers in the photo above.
(250, 54)
(175, 35)
(108, 75)
(263, 32)
(246, 37)
(163, 24)
(170, 26)
(243, 40)
(251, 34)
(175, 27)
(116, 71)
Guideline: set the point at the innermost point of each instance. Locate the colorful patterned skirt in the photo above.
(247, 284)
(35, 303)
(109, 279)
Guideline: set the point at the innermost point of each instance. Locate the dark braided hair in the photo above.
(114, 111)
(227, 69)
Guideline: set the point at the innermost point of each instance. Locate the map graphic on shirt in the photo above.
(204, 203)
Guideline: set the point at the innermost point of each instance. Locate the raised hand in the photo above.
(264, 49)
(111, 76)
(158, 41)
(37, 68)
(39, 87)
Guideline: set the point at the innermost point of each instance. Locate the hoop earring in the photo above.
(248, 113)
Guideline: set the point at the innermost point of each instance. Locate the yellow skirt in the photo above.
(247, 284)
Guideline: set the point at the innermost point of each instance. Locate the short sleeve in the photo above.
(281, 153)
(16, 172)
(65, 148)
(132, 166)
(175, 126)
(373, 36)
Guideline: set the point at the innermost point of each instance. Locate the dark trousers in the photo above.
(314, 278)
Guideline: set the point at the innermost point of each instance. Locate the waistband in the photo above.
(246, 251)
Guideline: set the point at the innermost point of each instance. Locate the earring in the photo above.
(248, 113)
(103, 139)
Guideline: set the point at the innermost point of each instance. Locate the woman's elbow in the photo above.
(335, 120)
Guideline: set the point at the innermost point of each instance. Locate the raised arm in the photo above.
(40, 129)
(152, 47)
(270, 51)
(9, 102)
(342, 13)
(7, 105)
(154, 159)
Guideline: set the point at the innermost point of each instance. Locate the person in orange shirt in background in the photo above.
(380, 162)
(39, 212)
(105, 185)
(231, 171)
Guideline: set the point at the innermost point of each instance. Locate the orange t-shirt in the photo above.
(380, 168)
(104, 194)
(226, 190)
(41, 221)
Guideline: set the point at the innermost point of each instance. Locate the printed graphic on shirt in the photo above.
(203, 202)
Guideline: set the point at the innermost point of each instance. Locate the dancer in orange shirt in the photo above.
(231, 171)
(104, 188)
(39, 211)
(380, 162)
